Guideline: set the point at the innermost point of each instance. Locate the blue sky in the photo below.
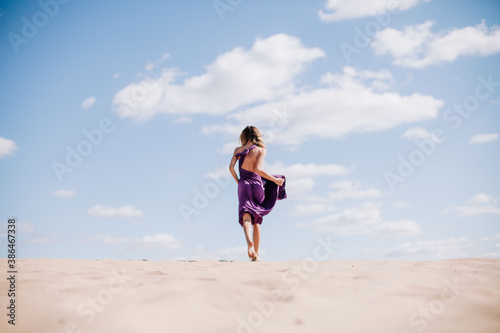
(118, 120)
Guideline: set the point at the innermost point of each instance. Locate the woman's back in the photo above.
(251, 159)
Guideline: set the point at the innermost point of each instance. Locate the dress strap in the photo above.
(246, 151)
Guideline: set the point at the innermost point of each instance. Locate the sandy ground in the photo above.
(58, 295)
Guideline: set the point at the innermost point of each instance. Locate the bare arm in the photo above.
(231, 166)
(258, 169)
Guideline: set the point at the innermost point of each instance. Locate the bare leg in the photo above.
(247, 228)
(256, 238)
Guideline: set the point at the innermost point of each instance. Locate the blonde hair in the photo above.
(251, 134)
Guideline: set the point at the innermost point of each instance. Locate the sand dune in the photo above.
(58, 295)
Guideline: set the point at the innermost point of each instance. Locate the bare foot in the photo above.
(251, 251)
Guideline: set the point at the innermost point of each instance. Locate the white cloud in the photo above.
(25, 228)
(401, 204)
(402, 43)
(165, 56)
(348, 189)
(124, 211)
(353, 78)
(35, 238)
(147, 242)
(440, 249)
(491, 239)
(259, 86)
(350, 221)
(417, 46)
(312, 208)
(236, 78)
(300, 178)
(154, 242)
(418, 133)
(313, 170)
(338, 10)
(365, 219)
(228, 147)
(88, 102)
(64, 193)
(116, 75)
(7, 147)
(299, 188)
(349, 104)
(484, 138)
(479, 204)
(109, 240)
(42, 240)
(220, 172)
(149, 66)
(481, 198)
(396, 229)
(473, 210)
(155, 64)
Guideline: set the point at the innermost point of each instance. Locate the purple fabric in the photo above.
(256, 195)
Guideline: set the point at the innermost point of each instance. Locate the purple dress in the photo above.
(256, 195)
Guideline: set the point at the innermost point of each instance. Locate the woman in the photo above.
(257, 189)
